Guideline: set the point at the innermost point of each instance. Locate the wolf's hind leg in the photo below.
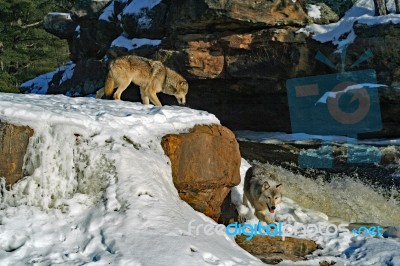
(243, 212)
(120, 90)
(242, 219)
(145, 98)
(245, 201)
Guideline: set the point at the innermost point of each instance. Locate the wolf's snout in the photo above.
(272, 209)
(182, 101)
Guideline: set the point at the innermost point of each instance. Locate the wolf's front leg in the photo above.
(242, 215)
(262, 216)
(154, 99)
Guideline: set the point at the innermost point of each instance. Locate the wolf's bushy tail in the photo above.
(109, 87)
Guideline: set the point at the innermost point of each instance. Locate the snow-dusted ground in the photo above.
(134, 43)
(99, 190)
(303, 138)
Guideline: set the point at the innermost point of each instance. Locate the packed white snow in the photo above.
(314, 11)
(132, 44)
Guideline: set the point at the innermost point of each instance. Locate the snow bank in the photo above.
(41, 83)
(134, 43)
(314, 11)
(107, 13)
(99, 188)
(303, 138)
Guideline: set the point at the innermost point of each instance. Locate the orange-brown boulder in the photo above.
(14, 141)
(205, 165)
(273, 250)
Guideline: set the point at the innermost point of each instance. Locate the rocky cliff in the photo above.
(236, 55)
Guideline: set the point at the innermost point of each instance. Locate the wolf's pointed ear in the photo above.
(265, 186)
(183, 83)
(279, 187)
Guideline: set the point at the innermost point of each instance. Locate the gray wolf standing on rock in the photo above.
(263, 194)
(150, 75)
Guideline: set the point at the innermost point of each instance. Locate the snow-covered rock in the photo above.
(98, 188)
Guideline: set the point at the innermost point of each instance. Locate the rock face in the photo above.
(88, 9)
(273, 250)
(14, 141)
(194, 16)
(205, 165)
(236, 55)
